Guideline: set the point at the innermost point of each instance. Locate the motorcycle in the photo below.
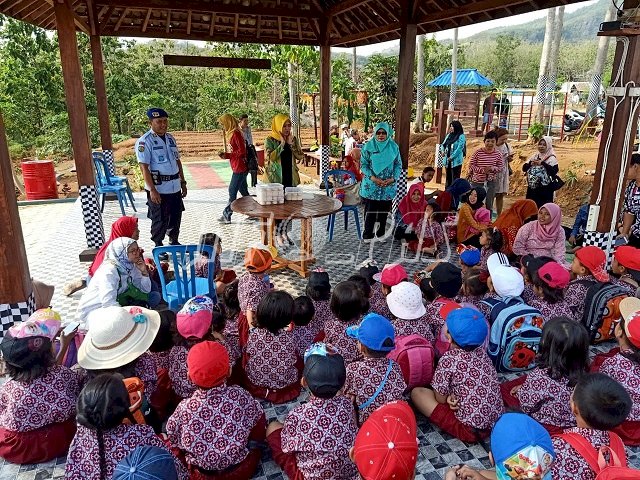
(573, 120)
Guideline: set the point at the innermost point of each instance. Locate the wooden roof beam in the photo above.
(483, 6)
(345, 6)
(188, 22)
(146, 20)
(79, 22)
(212, 26)
(373, 32)
(168, 25)
(217, 62)
(25, 6)
(92, 17)
(9, 5)
(121, 19)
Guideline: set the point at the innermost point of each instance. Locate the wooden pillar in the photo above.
(16, 296)
(77, 110)
(325, 107)
(101, 100)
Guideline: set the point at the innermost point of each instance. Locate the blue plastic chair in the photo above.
(105, 186)
(337, 178)
(186, 285)
(115, 179)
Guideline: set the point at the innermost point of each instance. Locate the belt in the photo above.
(167, 178)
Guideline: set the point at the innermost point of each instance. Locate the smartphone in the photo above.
(72, 327)
(621, 241)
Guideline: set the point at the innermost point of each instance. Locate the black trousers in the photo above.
(452, 173)
(165, 217)
(254, 177)
(375, 211)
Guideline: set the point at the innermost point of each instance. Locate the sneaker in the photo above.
(367, 240)
(224, 220)
(72, 287)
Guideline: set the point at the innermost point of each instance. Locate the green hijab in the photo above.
(382, 154)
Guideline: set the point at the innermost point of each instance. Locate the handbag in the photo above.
(352, 194)
(556, 183)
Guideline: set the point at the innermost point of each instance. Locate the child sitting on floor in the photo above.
(319, 291)
(164, 399)
(492, 242)
(481, 216)
(474, 288)
(213, 427)
(405, 303)
(375, 380)
(623, 365)
(252, 287)
(544, 392)
(626, 264)
(469, 258)
(220, 276)
(315, 439)
(271, 363)
(231, 312)
(504, 282)
(348, 304)
(391, 275)
(548, 281)
(38, 401)
(303, 314)
(446, 280)
(465, 397)
(103, 438)
(589, 266)
(600, 404)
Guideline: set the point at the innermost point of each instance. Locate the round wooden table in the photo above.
(304, 210)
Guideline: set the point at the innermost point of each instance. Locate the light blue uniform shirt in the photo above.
(162, 157)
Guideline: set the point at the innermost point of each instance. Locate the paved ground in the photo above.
(54, 235)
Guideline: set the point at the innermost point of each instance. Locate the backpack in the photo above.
(602, 309)
(615, 469)
(416, 358)
(537, 177)
(252, 157)
(514, 337)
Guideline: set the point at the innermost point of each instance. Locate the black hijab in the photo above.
(482, 194)
(453, 137)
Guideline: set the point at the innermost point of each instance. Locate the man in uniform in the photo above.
(164, 181)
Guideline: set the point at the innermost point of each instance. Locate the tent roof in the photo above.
(466, 77)
(349, 22)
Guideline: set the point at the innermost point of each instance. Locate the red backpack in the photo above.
(416, 358)
(615, 469)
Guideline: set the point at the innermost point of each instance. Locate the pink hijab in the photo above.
(550, 231)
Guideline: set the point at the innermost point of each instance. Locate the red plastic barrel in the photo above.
(39, 179)
(260, 153)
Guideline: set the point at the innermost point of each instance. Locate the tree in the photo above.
(380, 80)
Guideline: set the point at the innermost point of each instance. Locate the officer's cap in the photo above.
(156, 113)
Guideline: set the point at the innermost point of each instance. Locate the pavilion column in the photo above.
(325, 108)
(17, 301)
(616, 144)
(101, 101)
(77, 109)
(404, 102)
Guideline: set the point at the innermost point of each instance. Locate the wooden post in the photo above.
(77, 110)
(15, 281)
(101, 92)
(325, 108)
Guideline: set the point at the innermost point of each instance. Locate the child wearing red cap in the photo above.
(589, 266)
(391, 275)
(386, 447)
(464, 399)
(348, 304)
(548, 279)
(252, 287)
(375, 380)
(271, 361)
(213, 427)
(623, 365)
(626, 264)
(316, 436)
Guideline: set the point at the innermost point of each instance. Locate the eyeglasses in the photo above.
(381, 133)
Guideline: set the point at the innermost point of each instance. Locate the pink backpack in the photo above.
(416, 358)
(615, 469)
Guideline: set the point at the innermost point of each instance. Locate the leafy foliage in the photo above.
(536, 130)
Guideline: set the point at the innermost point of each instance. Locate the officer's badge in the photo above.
(141, 148)
(155, 114)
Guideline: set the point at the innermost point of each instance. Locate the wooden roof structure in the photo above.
(349, 23)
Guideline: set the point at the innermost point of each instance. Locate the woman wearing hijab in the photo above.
(282, 151)
(453, 149)
(512, 219)
(544, 237)
(122, 279)
(411, 213)
(352, 164)
(466, 218)
(238, 160)
(541, 169)
(381, 167)
(502, 178)
(449, 200)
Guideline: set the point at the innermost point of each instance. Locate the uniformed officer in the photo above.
(164, 182)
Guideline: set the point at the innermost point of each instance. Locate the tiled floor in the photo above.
(54, 236)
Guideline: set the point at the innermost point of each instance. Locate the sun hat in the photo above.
(372, 332)
(405, 301)
(324, 374)
(194, 318)
(630, 311)
(208, 364)
(446, 279)
(146, 463)
(392, 274)
(507, 281)
(23, 352)
(554, 275)
(470, 257)
(117, 336)
(467, 327)
(530, 452)
(628, 257)
(386, 447)
(42, 323)
(595, 260)
(257, 260)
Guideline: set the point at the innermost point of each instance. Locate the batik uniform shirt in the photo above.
(432, 316)
(212, 427)
(486, 309)
(569, 464)
(233, 348)
(182, 386)
(627, 373)
(83, 460)
(378, 301)
(251, 290)
(365, 376)
(323, 313)
(335, 334)
(632, 205)
(202, 266)
(271, 359)
(551, 310)
(528, 294)
(470, 300)
(303, 337)
(472, 378)
(628, 287)
(27, 406)
(162, 359)
(549, 397)
(320, 433)
(418, 326)
(485, 253)
(576, 293)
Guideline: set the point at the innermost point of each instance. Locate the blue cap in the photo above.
(146, 463)
(467, 327)
(470, 257)
(156, 113)
(372, 332)
(529, 453)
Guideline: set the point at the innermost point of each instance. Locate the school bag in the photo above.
(614, 469)
(252, 157)
(602, 309)
(416, 358)
(514, 337)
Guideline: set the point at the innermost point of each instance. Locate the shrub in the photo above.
(536, 131)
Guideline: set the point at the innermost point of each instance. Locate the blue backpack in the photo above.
(514, 337)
